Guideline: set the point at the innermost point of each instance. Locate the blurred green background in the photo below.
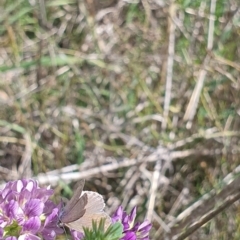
(147, 90)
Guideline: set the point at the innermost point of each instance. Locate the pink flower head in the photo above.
(132, 231)
(27, 213)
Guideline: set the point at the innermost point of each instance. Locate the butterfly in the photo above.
(83, 208)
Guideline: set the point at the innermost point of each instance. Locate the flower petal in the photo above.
(34, 207)
(32, 225)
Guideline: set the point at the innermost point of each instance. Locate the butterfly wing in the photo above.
(76, 212)
(86, 221)
(72, 202)
(75, 208)
(94, 212)
(95, 202)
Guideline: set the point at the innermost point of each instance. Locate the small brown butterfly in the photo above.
(83, 208)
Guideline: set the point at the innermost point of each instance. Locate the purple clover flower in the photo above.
(26, 213)
(132, 231)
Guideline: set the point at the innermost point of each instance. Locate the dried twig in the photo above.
(192, 106)
(171, 48)
(204, 210)
(228, 202)
(153, 190)
(53, 179)
(24, 169)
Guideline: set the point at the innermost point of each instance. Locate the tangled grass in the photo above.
(141, 98)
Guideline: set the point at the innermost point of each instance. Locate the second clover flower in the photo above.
(132, 231)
